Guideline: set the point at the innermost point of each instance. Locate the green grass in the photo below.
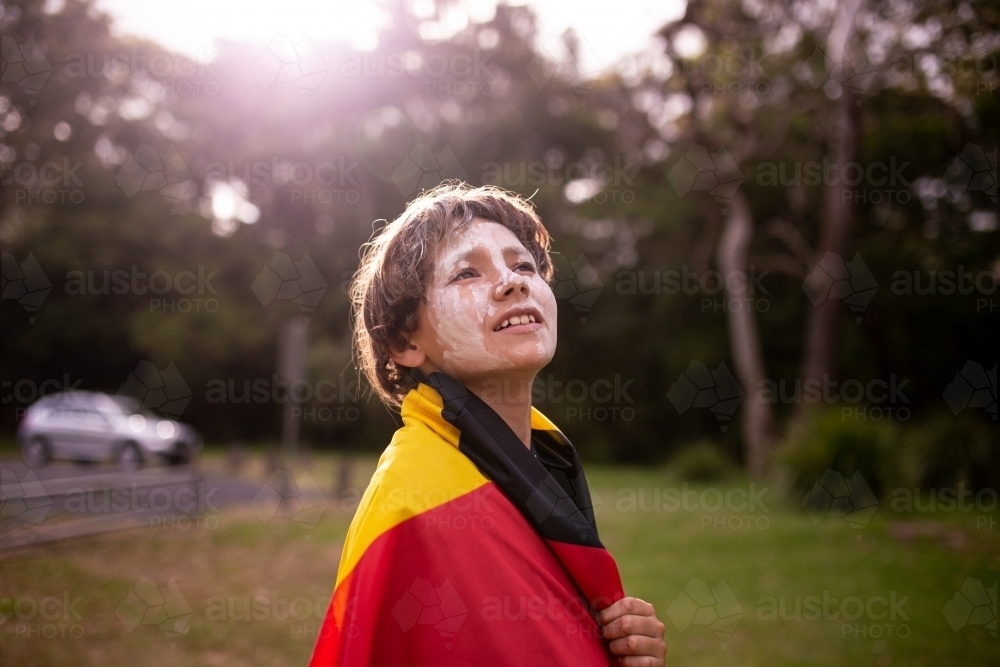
(236, 559)
(781, 553)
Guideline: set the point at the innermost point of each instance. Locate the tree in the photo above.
(823, 92)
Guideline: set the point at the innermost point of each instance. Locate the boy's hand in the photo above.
(634, 632)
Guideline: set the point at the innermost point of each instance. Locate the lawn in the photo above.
(746, 583)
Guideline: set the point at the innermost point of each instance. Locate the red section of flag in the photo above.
(469, 584)
(594, 570)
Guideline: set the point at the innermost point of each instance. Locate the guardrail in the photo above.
(34, 510)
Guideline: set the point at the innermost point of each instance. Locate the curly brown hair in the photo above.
(396, 266)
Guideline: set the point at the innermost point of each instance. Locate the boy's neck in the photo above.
(511, 399)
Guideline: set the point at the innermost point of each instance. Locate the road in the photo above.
(65, 500)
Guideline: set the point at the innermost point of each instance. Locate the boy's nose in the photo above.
(509, 282)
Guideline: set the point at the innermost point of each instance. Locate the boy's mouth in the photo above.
(519, 320)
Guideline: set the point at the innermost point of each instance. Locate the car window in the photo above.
(67, 415)
(95, 420)
(77, 402)
(83, 419)
(108, 405)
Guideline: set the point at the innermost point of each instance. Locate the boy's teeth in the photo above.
(517, 319)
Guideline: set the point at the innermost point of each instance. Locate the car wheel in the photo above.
(127, 457)
(35, 452)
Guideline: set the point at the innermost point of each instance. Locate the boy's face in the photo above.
(484, 278)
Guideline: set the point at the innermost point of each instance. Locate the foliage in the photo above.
(825, 440)
(951, 451)
(621, 134)
(701, 462)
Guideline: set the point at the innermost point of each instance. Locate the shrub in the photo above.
(824, 440)
(701, 462)
(948, 451)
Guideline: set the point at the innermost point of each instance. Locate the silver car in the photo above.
(92, 426)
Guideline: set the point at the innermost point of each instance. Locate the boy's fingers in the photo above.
(638, 645)
(633, 606)
(624, 626)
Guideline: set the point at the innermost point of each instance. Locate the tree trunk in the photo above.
(757, 418)
(822, 329)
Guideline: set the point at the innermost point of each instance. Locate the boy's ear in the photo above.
(411, 356)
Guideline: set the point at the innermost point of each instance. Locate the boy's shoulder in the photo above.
(418, 472)
(420, 469)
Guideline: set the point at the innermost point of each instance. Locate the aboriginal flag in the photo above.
(470, 549)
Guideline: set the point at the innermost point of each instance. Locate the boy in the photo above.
(475, 543)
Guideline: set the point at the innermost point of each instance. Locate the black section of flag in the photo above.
(550, 491)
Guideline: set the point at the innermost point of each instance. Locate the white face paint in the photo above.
(484, 277)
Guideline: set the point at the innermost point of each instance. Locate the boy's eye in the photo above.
(526, 266)
(464, 274)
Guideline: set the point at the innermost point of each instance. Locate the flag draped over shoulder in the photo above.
(470, 549)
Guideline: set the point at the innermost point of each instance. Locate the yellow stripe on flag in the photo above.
(540, 422)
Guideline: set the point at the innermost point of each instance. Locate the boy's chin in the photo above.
(507, 365)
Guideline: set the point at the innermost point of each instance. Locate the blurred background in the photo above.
(777, 244)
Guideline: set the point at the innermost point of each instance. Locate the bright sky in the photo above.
(192, 26)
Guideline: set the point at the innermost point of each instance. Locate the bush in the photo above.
(701, 462)
(825, 441)
(948, 451)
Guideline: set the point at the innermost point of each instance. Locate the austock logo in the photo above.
(24, 282)
(23, 499)
(884, 398)
(153, 74)
(24, 64)
(715, 173)
(973, 604)
(833, 496)
(294, 62)
(287, 280)
(36, 181)
(577, 282)
(699, 604)
(850, 282)
(871, 611)
(549, 499)
(546, 67)
(166, 173)
(423, 603)
(733, 73)
(282, 495)
(974, 170)
(164, 390)
(699, 387)
(164, 607)
(853, 71)
(26, 392)
(46, 617)
(350, 622)
(973, 387)
(462, 74)
(424, 168)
